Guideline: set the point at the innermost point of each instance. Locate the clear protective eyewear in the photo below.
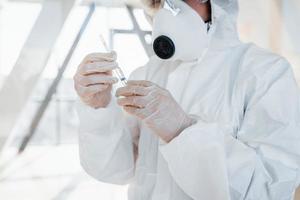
(170, 6)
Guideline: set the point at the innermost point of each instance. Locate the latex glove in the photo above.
(93, 79)
(156, 107)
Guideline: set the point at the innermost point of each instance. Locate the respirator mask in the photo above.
(179, 32)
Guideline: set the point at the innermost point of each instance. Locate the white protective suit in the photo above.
(245, 144)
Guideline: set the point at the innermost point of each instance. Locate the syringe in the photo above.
(118, 71)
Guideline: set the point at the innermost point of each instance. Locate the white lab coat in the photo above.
(245, 144)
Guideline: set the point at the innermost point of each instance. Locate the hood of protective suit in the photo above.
(224, 18)
(229, 6)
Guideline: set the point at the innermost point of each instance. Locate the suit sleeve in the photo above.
(108, 139)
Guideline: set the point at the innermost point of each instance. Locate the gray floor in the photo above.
(53, 173)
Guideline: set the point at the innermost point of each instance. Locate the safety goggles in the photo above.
(170, 6)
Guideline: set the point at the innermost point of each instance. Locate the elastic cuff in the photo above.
(196, 136)
(169, 147)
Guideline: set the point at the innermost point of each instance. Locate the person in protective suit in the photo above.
(208, 117)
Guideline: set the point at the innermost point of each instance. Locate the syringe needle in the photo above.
(121, 76)
(118, 71)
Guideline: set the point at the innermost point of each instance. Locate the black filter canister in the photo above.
(164, 47)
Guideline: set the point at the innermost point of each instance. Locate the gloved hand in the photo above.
(93, 79)
(156, 107)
